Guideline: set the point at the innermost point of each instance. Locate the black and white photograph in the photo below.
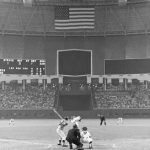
(74, 74)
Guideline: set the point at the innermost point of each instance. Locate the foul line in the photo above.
(25, 142)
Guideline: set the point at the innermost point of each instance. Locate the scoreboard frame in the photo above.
(30, 61)
(57, 62)
(125, 59)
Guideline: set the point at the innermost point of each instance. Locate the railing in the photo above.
(64, 2)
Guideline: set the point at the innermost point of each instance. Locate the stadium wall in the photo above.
(110, 113)
(109, 47)
(27, 114)
(91, 114)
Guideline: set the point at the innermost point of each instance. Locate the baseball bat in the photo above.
(56, 112)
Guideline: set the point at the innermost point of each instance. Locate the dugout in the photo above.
(75, 94)
(75, 102)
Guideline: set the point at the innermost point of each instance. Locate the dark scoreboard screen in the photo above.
(127, 66)
(25, 66)
(74, 62)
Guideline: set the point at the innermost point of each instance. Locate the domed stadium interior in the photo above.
(74, 58)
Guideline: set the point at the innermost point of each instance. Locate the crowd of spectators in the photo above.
(13, 96)
(38, 96)
(135, 96)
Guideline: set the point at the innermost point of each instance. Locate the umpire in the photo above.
(73, 137)
(102, 119)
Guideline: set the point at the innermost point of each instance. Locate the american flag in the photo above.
(69, 17)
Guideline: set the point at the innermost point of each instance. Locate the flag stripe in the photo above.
(77, 8)
(74, 17)
(75, 20)
(74, 24)
(81, 12)
(81, 16)
(75, 27)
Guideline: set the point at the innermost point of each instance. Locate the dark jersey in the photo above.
(102, 117)
(73, 134)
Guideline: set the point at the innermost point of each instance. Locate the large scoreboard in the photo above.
(23, 66)
(74, 62)
(127, 66)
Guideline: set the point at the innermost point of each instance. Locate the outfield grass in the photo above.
(133, 134)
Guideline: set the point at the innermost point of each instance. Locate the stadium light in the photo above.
(27, 3)
(122, 2)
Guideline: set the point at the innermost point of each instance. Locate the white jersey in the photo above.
(11, 122)
(76, 120)
(86, 137)
(62, 124)
(60, 128)
(85, 134)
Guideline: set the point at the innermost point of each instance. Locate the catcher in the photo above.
(86, 137)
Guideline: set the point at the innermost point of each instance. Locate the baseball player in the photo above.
(60, 132)
(86, 137)
(76, 120)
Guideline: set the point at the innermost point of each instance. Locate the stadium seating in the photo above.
(33, 97)
(136, 96)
